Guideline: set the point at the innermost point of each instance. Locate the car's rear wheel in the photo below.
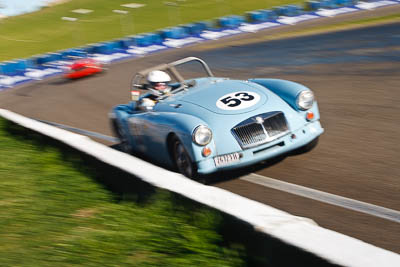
(182, 159)
(120, 133)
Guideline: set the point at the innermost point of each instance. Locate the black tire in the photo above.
(123, 139)
(306, 148)
(181, 159)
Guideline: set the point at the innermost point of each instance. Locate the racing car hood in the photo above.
(226, 97)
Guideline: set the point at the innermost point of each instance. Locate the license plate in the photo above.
(226, 159)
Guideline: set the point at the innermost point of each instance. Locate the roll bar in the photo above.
(171, 68)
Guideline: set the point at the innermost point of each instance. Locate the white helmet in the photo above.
(158, 81)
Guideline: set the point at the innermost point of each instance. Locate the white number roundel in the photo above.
(238, 100)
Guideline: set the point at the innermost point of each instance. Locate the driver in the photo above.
(158, 86)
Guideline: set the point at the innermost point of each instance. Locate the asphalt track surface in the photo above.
(355, 75)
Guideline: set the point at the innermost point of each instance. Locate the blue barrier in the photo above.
(297, 9)
(155, 38)
(289, 10)
(208, 25)
(41, 59)
(345, 2)
(28, 63)
(114, 46)
(146, 39)
(280, 10)
(195, 28)
(313, 5)
(3, 70)
(18, 67)
(70, 53)
(119, 45)
(54, 56)
(89, 49)
(270, 14)
(126, 42)
(225, 22)
(239, 19)
(143, 40)
(230, 21)
(104, 48)
(174, 33)
(9, 68)
(328, 4)
(22, 64)
(46, 58)
(132, 40)
(256, 16)
(338, 2)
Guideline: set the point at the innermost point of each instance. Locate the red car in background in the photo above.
(82, 68)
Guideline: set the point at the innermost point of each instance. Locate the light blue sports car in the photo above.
(208, 124)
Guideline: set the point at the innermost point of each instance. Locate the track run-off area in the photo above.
(355, 77)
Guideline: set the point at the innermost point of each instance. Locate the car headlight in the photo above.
(202, 135)
(305, 100)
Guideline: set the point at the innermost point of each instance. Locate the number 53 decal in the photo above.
(238, 100)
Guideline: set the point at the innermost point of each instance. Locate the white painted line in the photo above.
(69, 19)
(82, 11)
(170, 4)
(133, 5)
(348, 203)
(120, 11)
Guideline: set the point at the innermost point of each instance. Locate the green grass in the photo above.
(44, 31)
(58, 209)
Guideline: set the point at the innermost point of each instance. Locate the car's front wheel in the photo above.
(182, 159)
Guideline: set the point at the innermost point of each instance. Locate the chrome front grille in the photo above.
(276, 124)
(250, 134)
(260, 129)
